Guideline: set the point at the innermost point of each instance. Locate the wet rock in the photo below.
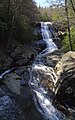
(12, 81)
(14, 86)
(25, 99)
(2, 93)
(23, 83)
(26, 102)
(40, 45)
(24, 73)
(53, 58)
(58, 42)
(44, 75)
(8, 110)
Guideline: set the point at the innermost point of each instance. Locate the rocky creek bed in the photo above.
(16, 102)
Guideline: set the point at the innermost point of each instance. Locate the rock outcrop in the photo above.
(14, 88)
(53, 58)
(17, 55)
(12, 80)
(66, 62)
(64, 66)
(16, 102)
(65, 94)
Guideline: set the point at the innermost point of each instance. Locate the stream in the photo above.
(39, 73)
(43, 79)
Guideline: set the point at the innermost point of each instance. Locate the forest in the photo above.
(18, 18)
(37, 60)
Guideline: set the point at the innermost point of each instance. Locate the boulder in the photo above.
(53, 58)
(44, 75)
(67, 62)
(40, 45)
(12, 80)
(22, 54)
(65, 90)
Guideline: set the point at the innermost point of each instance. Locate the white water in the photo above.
(47, 37)
(6, 72)
(39, 91)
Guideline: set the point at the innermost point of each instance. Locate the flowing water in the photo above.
(39, 74)
(6, 72)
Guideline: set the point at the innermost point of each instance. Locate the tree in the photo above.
(55, 2)
(68, 24)
(45, 14)
(72, 5)
(63, 14)
(16, 19)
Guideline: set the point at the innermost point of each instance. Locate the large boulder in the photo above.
(15, 86)
(15, 55)
(67, 62)
(12, 80)
(65, 90)
(44, 75)
(22, 54)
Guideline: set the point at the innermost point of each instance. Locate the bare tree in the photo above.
(68, 23)
(72, 5)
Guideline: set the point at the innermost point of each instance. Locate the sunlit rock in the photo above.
(44, 75)
(67, 62)
(65, 95)
(53, 58)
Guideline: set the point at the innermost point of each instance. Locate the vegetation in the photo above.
(17, 18)
(45, 14)
(62, 14)
(66, 43)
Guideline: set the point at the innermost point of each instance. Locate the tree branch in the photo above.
(72, 5)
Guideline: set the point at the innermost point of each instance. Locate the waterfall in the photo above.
(41, 76)
(47, 37)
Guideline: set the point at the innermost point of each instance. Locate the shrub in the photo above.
(66, 43)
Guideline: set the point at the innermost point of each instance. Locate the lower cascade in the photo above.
(44, 79)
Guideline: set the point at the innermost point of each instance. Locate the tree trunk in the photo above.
(8, 8)
(68, 24)
(72, 5)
